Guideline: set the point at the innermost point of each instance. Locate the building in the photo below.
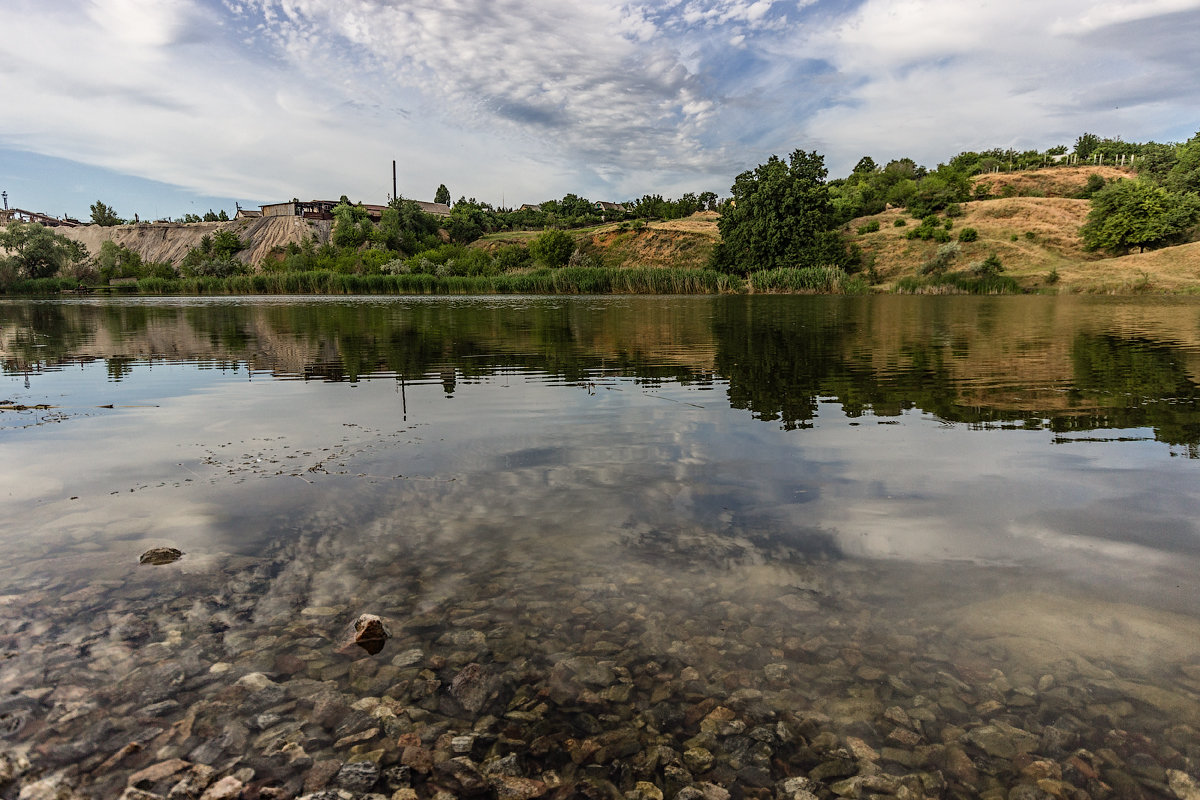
(323, 209)
(8, 215)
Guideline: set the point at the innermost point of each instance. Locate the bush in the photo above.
(990, 267)
(954, 210)
(869, 227)
(512, 257)
(553, 248)
(900, 223)
(942, 259)
(940, 235)
(968, 235)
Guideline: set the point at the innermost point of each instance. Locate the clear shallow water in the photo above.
(797, 514)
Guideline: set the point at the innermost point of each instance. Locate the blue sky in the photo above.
(164, 107)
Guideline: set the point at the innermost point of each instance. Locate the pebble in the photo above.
(515, 686)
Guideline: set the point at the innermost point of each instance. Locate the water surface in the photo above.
(883, 534)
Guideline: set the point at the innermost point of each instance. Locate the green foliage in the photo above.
(957, 283)
(1134, 213)
(442, 195)
(990, 267)
(807, 280)
(104, 215)
(351, 225)
(781, 216)
(512, 257)
(36, 251)
(900, 223)
(225, 244)
(1094, 184)
(868, 227)
(118, 261)
(968, 235)
(570, 280)
(214, 217)
(941, 260)
(190, 218)
(1184, 175)
(954, 210)
(552, 248)
(1085, 145)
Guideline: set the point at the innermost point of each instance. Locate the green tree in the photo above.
(1134, 213)
(105, 215)
(553, 248)
(1086, 144)
(351, 224)
(442, 195)
(38, 252)
(1184, 175)
(780, 216)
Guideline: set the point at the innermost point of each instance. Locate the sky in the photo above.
(168, 107)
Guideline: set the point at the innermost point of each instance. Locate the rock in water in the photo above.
(160, 555)
(369, 633)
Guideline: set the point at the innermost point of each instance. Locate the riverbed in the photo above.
(693, 547)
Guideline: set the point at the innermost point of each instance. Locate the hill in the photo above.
(170, 242)
(1036, 238)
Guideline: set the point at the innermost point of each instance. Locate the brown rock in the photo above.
(319, 776)
(228, 788)
(369, 633)
(157, 772)
(511, 788)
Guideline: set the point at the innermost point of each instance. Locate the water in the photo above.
(926, 542)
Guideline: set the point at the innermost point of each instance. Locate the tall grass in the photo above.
(809, 280)
(568, 280)
(957, 283)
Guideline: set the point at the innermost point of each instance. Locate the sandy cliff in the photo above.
(171, 241)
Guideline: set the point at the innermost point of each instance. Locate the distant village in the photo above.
(306, 209)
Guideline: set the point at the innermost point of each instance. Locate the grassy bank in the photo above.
(569, 280)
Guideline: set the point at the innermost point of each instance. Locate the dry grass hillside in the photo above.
(1036, 238)
(1056, 182)
(1031, 235)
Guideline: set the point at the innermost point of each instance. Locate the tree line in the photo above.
(784, 214)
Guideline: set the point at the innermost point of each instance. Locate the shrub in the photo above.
(869, 227)
(990, 267)
(900, 223)
(968, 235)
(940, 235)
(954, 210)
(553, 248)
(512, 257)
(1052, 278)
(942, 259)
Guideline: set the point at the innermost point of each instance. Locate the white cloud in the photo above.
(930, 78)
(529, 99)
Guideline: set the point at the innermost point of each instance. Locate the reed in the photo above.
(957, 283)
(807, 280)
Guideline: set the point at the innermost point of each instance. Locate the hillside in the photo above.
(1036, 238)
(1056, 182)
(170, 242)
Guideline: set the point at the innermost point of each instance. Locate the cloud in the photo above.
(523, 100)
(929, 78)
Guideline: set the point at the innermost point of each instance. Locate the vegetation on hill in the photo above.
(996, 220)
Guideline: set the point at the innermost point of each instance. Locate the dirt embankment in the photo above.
(170, 242)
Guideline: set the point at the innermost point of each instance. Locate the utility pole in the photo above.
(394, 195)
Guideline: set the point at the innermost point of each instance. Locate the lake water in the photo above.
(626, 547)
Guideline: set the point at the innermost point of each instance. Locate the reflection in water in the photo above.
(598, 575)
